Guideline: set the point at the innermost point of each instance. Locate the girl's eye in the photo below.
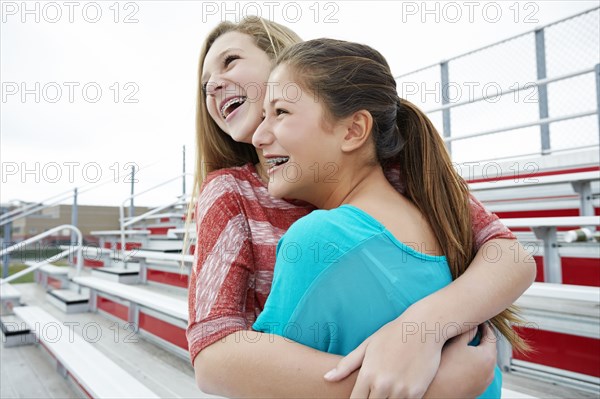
(204, 85)
(280, 111)
(229, 59)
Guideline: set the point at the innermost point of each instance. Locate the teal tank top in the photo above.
(340, 275)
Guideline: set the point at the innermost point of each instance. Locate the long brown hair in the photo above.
(348, 77)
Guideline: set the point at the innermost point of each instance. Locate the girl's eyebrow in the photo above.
(273, 101)
(221, 54)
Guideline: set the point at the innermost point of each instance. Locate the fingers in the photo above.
(348, 364)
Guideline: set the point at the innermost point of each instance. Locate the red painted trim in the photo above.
(549, 197)
(543, 213)
(38, 340)
(524, 175)
(76, 381)
(164, 330)
(192, 249)
(563, 351)
(108, 245)
(129, 245)
(112, 307)
(162, 220)
(538, 213)
(160, 276)
(162, 230)
(55, 282)
(93, 263)
(42, 343)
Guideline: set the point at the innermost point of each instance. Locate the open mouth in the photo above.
(276, 161)
(231, 105)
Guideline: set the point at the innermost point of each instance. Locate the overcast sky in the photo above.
(89, 88)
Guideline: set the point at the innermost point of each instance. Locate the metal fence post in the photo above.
(597, 73)
(74, 218)
(131, 206)
(6, 242)
(445, 100)
(540, 58)
(183, 177)
(74, 215)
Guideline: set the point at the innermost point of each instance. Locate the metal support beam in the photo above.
(183, 176)
(134, 316)
(552, 266)
(540, 57)
(131, 206)
(597, 74)
(6, 242)
(143, 273)
(74, 217)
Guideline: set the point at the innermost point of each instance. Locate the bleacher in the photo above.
(144, 290)
(112, 323)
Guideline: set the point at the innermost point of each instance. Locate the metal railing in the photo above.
(77, 248)
(134, 219)
(546, 44)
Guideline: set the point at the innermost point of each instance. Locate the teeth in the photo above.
(277, 161)
(229, 103)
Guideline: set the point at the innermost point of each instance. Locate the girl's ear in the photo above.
(358, 128)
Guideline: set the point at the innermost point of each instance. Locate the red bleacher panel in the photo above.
(112, 307)
(563, 351)
(93, 263)
(162, 230)
(54, 283)
(164, 330)
(129, 246)
(576, 271)
(159, 276)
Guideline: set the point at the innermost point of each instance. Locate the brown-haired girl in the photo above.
(239, 224)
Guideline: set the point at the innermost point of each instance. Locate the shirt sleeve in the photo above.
(223, 265)
(486, 225)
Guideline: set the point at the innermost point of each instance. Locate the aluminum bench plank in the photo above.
(96, 373)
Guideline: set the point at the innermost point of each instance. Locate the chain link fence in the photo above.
(488, 106)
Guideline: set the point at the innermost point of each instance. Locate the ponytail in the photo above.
(442, 196)
(403, 136)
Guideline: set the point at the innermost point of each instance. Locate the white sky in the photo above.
(66, 142)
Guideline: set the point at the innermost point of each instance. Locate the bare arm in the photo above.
(252, 364)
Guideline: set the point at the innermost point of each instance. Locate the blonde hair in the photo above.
(214, 148)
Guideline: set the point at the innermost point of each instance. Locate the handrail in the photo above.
(76, 248)
(551, 151)
(135, 219)
(521, 126)
(526, 86)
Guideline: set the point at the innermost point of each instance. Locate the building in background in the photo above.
(89, 218)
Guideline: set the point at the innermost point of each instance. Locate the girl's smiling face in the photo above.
(234, 78)
(302, 151)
